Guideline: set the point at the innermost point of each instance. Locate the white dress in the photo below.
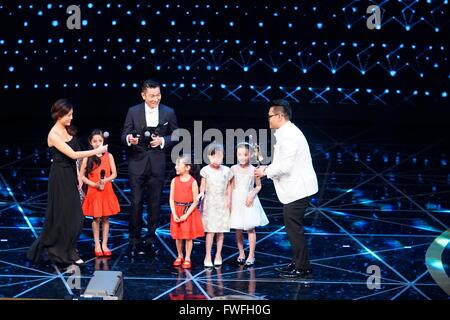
(243, 217)
(215, 214)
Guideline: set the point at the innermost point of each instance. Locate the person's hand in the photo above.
(156, 141)
(200, 196)
(183, 217)
(132, 140)
(260, 171)
(102, 149)
(175, 218)
(80, 184)
(100, 185)
(249, 200)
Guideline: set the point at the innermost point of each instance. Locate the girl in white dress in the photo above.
(247, 212)
(216, 190)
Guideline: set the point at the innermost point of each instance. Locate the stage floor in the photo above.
(380, 204)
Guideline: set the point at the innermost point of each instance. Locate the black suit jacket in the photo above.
(135, 120)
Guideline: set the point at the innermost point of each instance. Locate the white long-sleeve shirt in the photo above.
(291, 170)
(152, 120)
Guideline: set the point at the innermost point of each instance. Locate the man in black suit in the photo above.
(147, 132)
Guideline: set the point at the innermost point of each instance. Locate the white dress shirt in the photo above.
(291, 170)
(152, 120)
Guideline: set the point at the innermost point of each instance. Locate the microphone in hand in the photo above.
(101, 183)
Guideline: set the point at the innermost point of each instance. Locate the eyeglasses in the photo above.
(271, 115)
(154, 96)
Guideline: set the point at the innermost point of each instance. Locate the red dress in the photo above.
(101, 203)
(192, 227)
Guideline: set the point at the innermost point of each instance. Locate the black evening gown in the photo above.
(64, 217)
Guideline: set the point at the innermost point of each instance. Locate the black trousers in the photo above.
(293, 220)
(153, 179)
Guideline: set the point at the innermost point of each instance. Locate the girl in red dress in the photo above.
(185, 220)
(100, 201)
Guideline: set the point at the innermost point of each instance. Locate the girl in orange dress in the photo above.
(97, 172)
(185, 220)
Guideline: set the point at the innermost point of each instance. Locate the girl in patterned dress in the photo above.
(216, 189)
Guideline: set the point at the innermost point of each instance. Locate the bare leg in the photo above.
(179, 244)
(252, 244)
(209, 242)
(240, 244)
(219, 244)
(105, 233)
(96, 232)
(188, 245)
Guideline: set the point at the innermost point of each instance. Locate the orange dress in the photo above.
(192, 227)
(101, 203)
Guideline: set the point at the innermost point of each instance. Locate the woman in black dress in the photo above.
(64, 217)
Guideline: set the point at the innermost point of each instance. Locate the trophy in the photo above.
(258, 155)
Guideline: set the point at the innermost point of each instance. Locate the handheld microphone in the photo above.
(147, 134)
(102, 174)
(135, 134)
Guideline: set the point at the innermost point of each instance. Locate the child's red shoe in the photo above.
(186, 265)
(178, 261)
(98, 253)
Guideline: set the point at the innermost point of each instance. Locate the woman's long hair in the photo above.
(59, 109)
(93, 161)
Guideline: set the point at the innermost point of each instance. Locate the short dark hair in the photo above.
(283, 107)
(214, 148)
(150, 84)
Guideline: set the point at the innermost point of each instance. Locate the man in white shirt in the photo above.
(295, 182)
(147, 132)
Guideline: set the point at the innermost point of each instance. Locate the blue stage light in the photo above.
(392, 73)
(444, 94)
(11, 69)
(84, 23)
(129, 67)
(55, 23)
(319, 25)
